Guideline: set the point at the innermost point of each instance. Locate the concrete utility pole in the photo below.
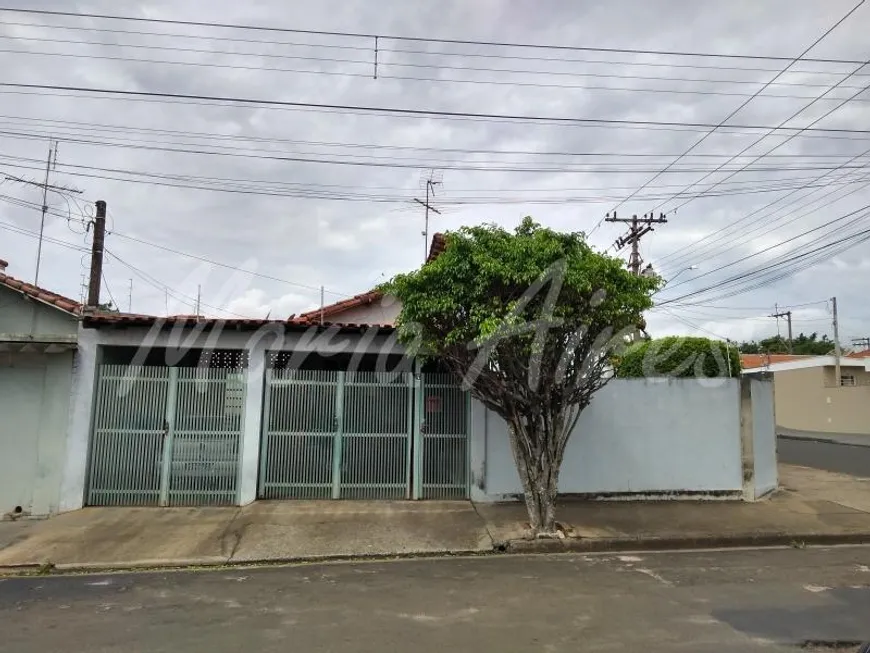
(864, 342)
(638, 228)
(130, 298)
(837, 351)
(431, 182)
(97, 255)
(787, 316)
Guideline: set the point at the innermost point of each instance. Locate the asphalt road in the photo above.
(727, 602)
(843, 458)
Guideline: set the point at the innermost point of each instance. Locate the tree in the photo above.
(802, 345)
(680, 357)
(529, 320)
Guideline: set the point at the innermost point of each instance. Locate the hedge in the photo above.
(679, 357)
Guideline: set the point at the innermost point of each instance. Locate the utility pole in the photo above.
(638, 228)
(130, 298)
(430, 182)
(837, 352)
(97, 255)
(786, 315)
(198, 299)
(864, 342)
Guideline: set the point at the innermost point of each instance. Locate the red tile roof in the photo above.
(752, 361)
(439, 243)
(363, 299)
(97, 320)
(860, 354)
(41, 294)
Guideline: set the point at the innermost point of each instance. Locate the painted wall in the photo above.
(34, 406)
(25, 316)
(34, 411)
(766, 476)
(384, 311)
(808, 400)
(637, 436)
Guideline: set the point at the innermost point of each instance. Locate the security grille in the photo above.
(166, 436)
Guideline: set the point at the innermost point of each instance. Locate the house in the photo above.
(371, 307)
(38, 339)
(191, 410)
(809, 397)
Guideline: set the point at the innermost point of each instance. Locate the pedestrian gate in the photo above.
(363, 435)
(166, 436)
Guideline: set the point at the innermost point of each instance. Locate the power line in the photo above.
(779, 244)
(549, 58)
(778, 145)
(109, 290)
(754, 232)
(197, 257)
(691, 249)
(212, 136)
(155, 283)
(268, 189)
(417, 39)
(440, 78)
(745, 103)
(396, 111)
(813, 255)
(389, 162)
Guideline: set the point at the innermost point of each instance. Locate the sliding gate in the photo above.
(363, 435)
(166, 436)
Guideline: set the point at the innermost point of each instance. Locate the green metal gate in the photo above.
(443, 440)
(166, 436)
(362, 435)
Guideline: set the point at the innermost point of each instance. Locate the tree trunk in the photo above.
(539, 473)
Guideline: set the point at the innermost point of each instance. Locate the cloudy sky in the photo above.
(204, 193)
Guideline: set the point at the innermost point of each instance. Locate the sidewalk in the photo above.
(813, 507)
(852, 439)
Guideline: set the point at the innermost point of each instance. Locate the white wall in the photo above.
(34, 403)
(381, 311)
(764, 437)
(637, 436)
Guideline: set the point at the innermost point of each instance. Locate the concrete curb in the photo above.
(679, 542)
(823, 440)
(214, 562)
(518, 547)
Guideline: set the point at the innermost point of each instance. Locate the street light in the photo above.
(691, 267)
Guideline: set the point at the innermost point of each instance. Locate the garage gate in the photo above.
(363, 435)
(167, 436)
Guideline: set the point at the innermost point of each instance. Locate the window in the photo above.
(847, 380)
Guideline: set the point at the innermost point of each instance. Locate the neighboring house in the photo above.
(809, 397)
(371, 307)
(37, 346)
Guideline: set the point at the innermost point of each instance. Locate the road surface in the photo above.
(843, 458)
(698, 602)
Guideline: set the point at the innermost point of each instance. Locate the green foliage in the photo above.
(804, 344)
(475, 289)
(679, 357)
(530, 320)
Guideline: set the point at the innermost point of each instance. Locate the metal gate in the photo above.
(443, 440)
(362, 435)
(166, 436)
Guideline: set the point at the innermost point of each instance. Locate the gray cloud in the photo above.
(346, 246)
